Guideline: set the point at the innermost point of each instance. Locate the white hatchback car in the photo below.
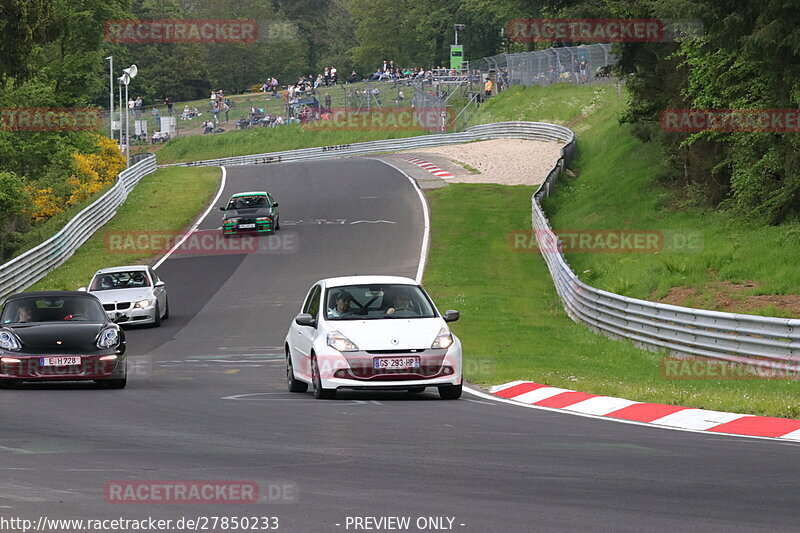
(131, 294)
(372, 332)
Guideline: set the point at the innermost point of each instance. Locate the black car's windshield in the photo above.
(377, 301)
(248, 202)
(120, 280)
(53, 309)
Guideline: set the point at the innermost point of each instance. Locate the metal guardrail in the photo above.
(28, 268)
(755, 340)
(527, 130)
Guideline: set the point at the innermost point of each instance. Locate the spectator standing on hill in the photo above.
(353, 77)
(328, 102)
(168, 101)
(326, 77)
(138, 104)
(334, 76)
(131, 104)
(226, 108)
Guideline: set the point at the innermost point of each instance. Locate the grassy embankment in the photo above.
(150, 206)
(513, 325)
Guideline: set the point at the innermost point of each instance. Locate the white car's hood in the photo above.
(123, 295)
(390, 334)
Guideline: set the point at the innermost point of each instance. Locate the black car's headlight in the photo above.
(9, 341)
(108, 338)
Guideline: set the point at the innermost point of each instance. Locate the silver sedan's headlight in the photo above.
(9, 341)
(339, 342)
(142, 304)
(444, 339)
(108, 338)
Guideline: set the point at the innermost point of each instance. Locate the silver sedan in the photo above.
(131, 294)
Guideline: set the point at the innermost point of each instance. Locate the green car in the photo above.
(249, 212)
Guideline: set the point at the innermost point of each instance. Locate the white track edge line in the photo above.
(423, 255)
(198, 221)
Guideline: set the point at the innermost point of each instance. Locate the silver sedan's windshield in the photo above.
(377, 301)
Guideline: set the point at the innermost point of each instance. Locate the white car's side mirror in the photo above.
(160, 283)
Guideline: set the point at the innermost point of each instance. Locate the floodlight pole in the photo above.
(111, 96)
(127, 127)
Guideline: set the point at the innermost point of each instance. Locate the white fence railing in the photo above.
(28, 268)
(756, 340)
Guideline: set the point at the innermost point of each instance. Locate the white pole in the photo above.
(120, 111)
(111, 96)
(127, 132)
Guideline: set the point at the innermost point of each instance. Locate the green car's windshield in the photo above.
(248, 202)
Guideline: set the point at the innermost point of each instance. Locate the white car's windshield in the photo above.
(120, 280)
(377, 301)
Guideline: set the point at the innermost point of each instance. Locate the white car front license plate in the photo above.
(247, 226)
(59, 361)
(396, 362)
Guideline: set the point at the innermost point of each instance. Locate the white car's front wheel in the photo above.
(294, 384)
(450, 392)
(316, 384)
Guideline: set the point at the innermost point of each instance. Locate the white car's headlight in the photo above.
(108, 338)
(444, 339)
(339, 342)
(9, 341)
(141, 304)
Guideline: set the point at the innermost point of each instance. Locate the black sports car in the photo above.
(60, 336)
(250, 212)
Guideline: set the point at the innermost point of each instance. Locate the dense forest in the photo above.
(54, 55)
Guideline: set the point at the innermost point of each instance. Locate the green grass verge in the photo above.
(513, 325)
(263, 140)
(150, 206)
(731, 263)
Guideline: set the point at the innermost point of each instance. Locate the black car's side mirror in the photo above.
(451, 315)
(304, 319)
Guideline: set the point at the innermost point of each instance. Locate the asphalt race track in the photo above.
(207, 400)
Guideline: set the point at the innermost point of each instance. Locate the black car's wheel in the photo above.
(166, 308)
(450, 392)
(316, 383)
(8, 383)
(113, 383)
(157, 322)
(416, 390)
(118, 380)
(294, 385)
